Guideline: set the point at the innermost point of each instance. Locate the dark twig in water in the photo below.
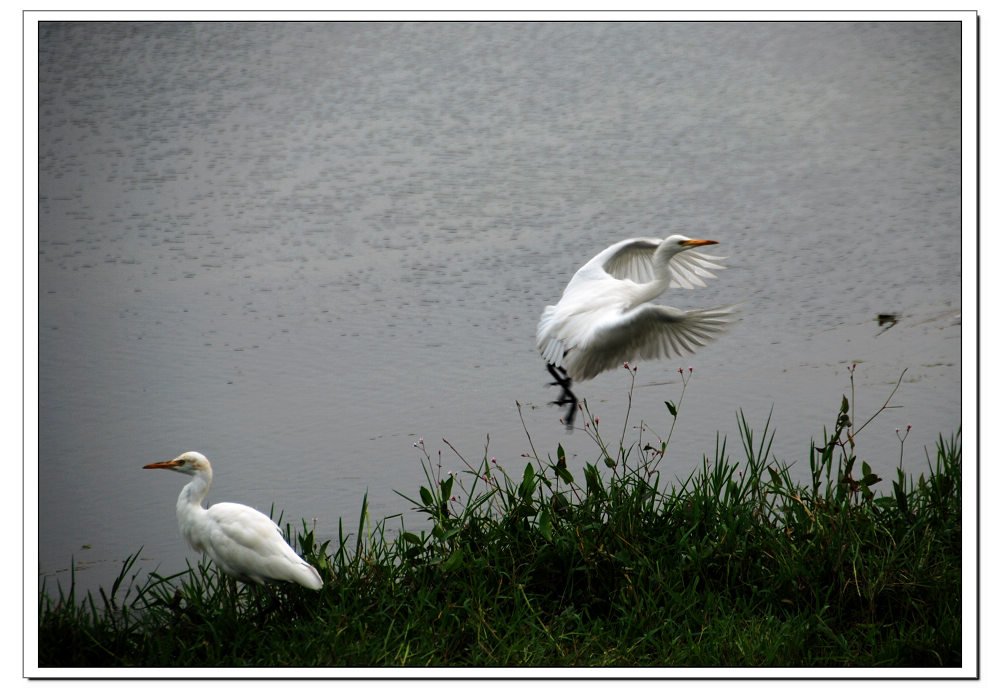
(888, 319)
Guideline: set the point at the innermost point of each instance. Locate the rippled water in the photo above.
(299, 248)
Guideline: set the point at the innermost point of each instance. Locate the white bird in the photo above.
(242, 541)
(604, 317)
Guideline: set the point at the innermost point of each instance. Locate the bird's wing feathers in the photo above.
(548, 339)
(647, 332)
(243, 525)
(690, 267)
(629, 259)
(248, 545)
(633, 259)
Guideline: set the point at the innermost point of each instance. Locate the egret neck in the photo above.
(190, 513)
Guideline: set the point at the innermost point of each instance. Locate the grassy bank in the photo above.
(595, 564)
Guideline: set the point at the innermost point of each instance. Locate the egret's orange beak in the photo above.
(694, 242)
(163, 464)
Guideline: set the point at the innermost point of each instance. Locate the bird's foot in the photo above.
(571, 414)
(567, 397)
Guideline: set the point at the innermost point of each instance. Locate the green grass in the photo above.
(736, 565)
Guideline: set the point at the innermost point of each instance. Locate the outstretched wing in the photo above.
(629, 259)
(633, 259)
(689, 268)
(548, 339)
(647, 332)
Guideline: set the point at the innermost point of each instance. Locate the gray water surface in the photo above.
(300, 248)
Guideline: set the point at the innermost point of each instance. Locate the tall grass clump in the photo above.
(603, 563)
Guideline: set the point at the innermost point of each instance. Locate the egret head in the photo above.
(681, 242)
(678, 243)
(190, 462)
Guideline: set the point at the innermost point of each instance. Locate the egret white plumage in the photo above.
(242, 541)
(605, 317)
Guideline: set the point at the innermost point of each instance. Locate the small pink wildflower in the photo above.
(493, 460)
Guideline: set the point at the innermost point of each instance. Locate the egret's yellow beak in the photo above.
(694, 242)
(163, 464)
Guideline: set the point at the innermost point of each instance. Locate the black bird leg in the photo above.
(567, 397)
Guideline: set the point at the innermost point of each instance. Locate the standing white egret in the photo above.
(604, 317)
(243, 542)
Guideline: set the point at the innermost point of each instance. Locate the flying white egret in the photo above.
(243, 542)
(604, 317)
